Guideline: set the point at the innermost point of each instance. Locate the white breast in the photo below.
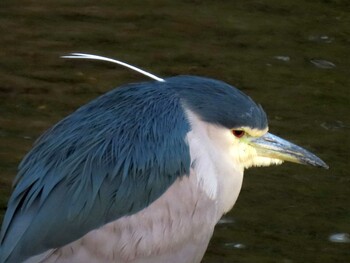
(175, 228)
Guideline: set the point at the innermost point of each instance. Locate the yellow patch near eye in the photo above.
(253, 132)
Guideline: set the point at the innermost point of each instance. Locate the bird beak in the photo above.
(272, 146)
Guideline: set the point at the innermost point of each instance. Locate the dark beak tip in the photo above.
(325, 166)
(316, 162)
(321, 164)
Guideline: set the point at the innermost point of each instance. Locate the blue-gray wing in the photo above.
(110, 158)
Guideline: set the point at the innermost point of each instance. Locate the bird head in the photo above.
(238, 124)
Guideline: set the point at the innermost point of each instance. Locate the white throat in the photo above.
(218, 171)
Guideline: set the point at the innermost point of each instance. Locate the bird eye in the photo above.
(238, 133)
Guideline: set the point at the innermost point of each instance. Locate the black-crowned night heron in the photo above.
(141, 174)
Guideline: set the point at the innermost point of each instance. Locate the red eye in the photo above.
(238, 133)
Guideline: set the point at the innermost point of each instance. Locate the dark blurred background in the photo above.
(291, 56)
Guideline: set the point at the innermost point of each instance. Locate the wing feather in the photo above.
(112, 157)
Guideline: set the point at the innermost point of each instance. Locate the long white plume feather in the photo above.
(95, 57)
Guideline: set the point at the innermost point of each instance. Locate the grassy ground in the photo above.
(284, 214)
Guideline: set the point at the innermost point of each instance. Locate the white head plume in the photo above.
(95, 57)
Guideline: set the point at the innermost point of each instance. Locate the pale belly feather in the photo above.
(175, 228)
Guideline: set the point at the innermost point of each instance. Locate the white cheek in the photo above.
(215, 162)
(239, 153)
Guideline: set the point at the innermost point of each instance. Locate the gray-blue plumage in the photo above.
(219, 103)
(112, 157)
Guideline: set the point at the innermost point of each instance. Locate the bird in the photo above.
(141, 174)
